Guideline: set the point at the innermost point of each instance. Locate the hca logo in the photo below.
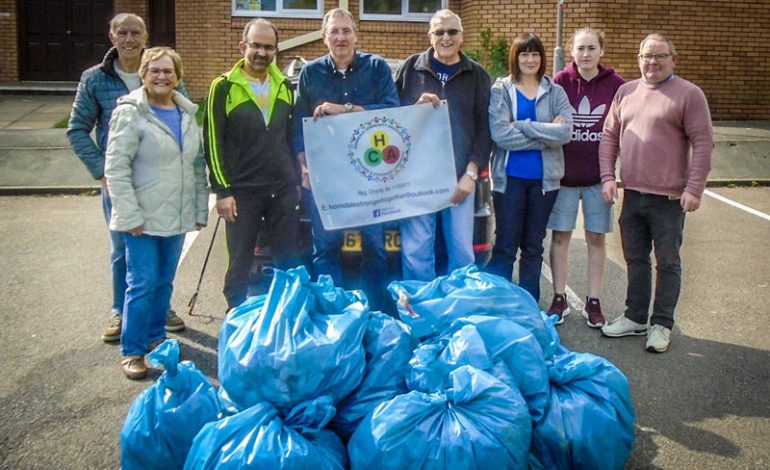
(379, 148)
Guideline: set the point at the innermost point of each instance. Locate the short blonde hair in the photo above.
(658, 37)
(155, 53)
(337, 13)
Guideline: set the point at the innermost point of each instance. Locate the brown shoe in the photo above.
(111, 332)
(133, 367)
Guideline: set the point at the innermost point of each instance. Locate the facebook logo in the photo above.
(376, 213)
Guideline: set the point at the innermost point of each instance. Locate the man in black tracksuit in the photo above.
(247, 134)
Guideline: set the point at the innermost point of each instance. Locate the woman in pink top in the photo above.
(590, 88)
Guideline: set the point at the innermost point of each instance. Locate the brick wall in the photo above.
(9, 42)
(722, 45)
(208, 35)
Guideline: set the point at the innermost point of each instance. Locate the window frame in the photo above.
(280, 12)
(404, 16)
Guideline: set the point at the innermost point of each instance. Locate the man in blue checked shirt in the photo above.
(343, 81)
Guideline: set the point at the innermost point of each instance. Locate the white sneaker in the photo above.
(622, 326)
(658, 339)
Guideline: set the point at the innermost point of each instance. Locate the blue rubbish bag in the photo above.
(388, 344)
(164, 418)
(258, 438)
(236, 317)
(496, 345)
(478, 423)
(305, 342)
(429, 307)
(434, 359)
(589, 422)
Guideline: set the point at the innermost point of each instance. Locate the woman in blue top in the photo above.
(530, 118)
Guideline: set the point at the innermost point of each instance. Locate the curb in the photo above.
(50, 190)
(96, 190)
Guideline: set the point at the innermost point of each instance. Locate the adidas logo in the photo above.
(584, 117)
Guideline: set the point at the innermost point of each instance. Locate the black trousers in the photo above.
(652, 223)
(277, 216)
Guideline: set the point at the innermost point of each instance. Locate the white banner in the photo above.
(376, 166)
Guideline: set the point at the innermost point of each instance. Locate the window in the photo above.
(401, 10)
(283, 8)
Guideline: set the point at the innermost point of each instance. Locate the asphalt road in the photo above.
(704, 404)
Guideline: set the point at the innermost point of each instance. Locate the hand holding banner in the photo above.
(375, 166)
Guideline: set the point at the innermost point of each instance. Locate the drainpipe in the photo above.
(558, 51)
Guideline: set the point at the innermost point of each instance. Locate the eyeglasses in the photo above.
(451, 32)
(658, 57)
(268, 48)
(157, 72)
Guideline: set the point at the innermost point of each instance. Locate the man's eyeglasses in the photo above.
(451, 32)
(157, 72)
(268, 48)
(658, 57)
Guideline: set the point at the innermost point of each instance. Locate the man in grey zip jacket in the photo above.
(444, 72)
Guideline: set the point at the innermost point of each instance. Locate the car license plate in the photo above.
(351, 241)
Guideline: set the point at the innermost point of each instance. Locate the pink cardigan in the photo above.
(655, 127)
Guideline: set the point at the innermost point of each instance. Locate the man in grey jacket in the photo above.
(444, 72)
(98, 92)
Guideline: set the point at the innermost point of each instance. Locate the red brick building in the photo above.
(722, 45)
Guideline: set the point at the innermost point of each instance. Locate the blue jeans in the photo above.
(521, 215)
(151, 263)
(117, 259)
(326, 255)
(647, 222)
(418, 235)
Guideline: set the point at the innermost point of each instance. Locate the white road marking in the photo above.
(737, 204)
(190, 237)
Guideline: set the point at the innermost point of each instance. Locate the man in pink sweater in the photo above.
(660, 126)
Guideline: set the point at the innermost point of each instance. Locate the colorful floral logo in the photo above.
(379, 148)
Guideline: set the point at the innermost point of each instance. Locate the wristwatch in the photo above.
(474, 176)
(348, 107)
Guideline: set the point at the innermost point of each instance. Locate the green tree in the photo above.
(493, 54)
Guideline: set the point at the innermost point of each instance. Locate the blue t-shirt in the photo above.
(526, 164)
(173, 119)
(443, 71)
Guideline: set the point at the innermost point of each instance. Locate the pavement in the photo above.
(36, 158)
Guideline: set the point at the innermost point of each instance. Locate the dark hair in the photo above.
(259, 22)
(525, 42)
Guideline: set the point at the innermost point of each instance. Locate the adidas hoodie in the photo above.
(590, 101)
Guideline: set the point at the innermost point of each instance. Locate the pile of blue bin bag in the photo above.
(472, 376)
